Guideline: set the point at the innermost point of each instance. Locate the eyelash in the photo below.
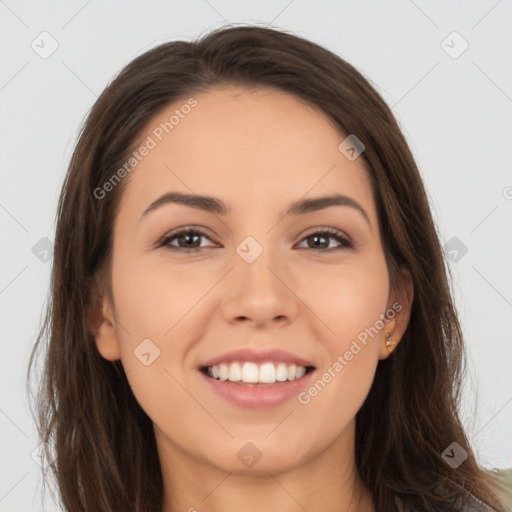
(329, 233)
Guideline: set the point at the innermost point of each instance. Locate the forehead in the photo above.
(252, 148)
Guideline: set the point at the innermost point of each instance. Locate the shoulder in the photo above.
(475, 505)
(472, 503)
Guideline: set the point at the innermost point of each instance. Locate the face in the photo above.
(257, 277)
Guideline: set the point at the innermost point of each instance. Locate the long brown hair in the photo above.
(102, 441)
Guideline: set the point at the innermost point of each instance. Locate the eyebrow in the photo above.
(219, 207)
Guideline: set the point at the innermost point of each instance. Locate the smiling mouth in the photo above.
(207, 370)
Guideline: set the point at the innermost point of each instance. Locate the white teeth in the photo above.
(300, 372)
(250, 372)
(266, 373)
(223, 372)
(235, 372)
(281, 372)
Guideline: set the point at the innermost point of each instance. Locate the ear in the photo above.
(101, 323)
(400, 302)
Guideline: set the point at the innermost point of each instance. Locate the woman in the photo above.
(268, 367)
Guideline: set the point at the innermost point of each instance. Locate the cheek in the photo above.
(152, 301)
(155, 300)
(351, 356)
(348, 299)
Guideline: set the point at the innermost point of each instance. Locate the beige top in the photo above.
(474, 504)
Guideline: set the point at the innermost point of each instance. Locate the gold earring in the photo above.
(390, 343)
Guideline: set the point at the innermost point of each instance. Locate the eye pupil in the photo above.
(316, 237)
(187, 236)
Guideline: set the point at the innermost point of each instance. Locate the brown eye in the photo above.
(320, 239)
(189, 240)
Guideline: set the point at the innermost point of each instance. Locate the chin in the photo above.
(258, 457)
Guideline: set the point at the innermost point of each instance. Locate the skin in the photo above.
(257, 150)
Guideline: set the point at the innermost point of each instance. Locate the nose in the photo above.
(260, 293)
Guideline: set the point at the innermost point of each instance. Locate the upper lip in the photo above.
(258, 356)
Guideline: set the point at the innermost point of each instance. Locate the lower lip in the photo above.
(264, 395)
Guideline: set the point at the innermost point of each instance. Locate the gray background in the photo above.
(455, 112)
